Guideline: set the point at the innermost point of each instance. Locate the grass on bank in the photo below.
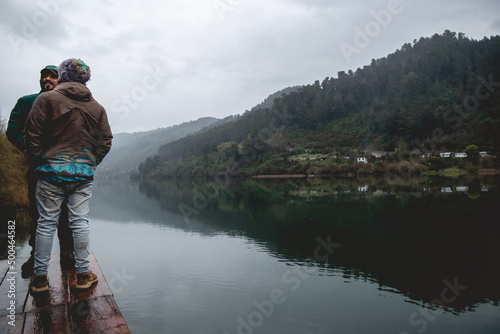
(13, 167)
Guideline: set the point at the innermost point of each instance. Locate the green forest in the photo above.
(437, 94)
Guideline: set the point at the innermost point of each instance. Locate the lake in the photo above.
(309, 256)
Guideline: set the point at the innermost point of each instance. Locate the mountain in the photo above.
(436, 94)
(130, 149)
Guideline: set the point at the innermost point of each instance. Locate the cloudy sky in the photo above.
(160, 63)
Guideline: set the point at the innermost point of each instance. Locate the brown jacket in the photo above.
(67, 134)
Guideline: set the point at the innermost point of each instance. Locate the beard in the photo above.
(48, 86)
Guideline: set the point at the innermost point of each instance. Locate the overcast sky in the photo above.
(160, 63)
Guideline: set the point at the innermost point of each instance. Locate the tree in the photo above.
(472, 154)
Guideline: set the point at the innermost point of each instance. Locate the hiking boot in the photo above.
(67, 259)
(39, 284)
(27, 267)
(85, 280)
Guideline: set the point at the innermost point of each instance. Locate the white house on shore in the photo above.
(459, 154)
(362, 160)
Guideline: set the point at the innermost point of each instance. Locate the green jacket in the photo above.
(19, 114)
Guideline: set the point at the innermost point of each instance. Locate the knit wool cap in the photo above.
(74, 70)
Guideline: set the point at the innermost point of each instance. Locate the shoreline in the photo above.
(483, 171)
(280, 176)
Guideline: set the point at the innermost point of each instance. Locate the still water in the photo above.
(302, 256)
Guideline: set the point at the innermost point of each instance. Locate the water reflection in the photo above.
(428, 239)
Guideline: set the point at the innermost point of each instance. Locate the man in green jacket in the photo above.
(15, 133)
(18, 116)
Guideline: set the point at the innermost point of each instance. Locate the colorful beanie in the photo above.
(74, 70)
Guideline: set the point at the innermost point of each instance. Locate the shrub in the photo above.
(13, 167)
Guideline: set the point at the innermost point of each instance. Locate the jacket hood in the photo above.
(48, 67)
(74, 90)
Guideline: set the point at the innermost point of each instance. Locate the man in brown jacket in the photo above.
(67, 135)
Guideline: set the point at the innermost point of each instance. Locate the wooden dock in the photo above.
(62, 309)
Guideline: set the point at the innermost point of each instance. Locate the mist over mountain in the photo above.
(130, 149)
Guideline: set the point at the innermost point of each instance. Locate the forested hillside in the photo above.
(436, 94)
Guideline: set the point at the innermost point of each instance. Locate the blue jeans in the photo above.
(49, 199)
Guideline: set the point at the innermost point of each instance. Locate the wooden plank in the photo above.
(53, 319)
(4, 267)
(97, 315)
(6, 328)
(63, 309)
(58, 288)
(99, 289)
